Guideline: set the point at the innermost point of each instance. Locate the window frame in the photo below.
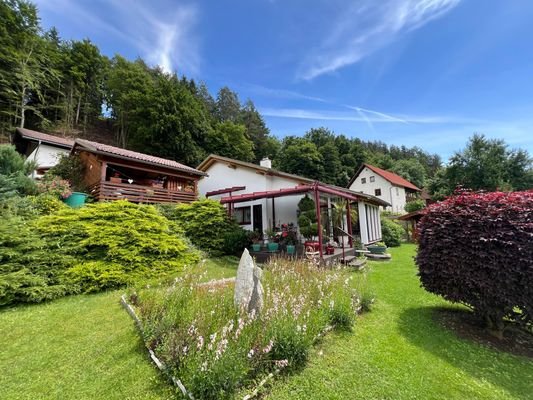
(363, 181)
(243, 212)
(377, 192)
(372, 179)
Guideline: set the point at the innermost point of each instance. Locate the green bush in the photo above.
(100, 246)
(236, 240)
(14, 171)
(71, 169)
(391, 232)
(415, 205)
(205, 222)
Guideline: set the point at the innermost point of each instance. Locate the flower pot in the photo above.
(376, 249)
(291, 249)
(256, 247)
(76, 199)
(273, 247)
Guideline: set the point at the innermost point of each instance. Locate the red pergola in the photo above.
(316, 188)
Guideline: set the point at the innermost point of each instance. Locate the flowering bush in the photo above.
(55, 186)
(215, 349)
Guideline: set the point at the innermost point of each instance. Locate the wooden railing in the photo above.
(139, 194)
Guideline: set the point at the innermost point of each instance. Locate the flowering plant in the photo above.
(55, 186)
(215, 349)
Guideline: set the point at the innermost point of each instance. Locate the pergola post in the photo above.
(318, 222)
(349, 222)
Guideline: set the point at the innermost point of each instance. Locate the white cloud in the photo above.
(364, 115)
(280, 93)
(165, 38)
(367, 26)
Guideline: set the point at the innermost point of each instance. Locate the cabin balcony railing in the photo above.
(139, 194)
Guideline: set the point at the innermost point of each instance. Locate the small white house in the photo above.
(262, 198)
(42, 148)
(385, 185)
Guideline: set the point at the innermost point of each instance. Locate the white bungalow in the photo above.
(260, 197)
(42, 148)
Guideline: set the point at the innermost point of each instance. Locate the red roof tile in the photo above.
(46, 138)
(392, 177)
(133, 155)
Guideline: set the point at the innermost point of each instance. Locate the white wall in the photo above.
(221, 176)
(395, 195)
(46, 155)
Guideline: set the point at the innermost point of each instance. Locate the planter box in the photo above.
(291, 249)
(256, 247)
(76, 199)
(273, 247)
(376, 249)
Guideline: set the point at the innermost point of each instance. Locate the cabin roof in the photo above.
(112, 151)
(45, 138)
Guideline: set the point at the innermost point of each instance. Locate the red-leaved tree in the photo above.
(477, 249)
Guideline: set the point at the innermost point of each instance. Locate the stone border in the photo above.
(154, 358)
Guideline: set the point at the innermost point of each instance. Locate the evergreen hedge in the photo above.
(477, 249)
(100, 246)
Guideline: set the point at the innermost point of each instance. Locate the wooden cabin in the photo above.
(113, 173)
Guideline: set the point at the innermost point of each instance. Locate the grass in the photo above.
(398, 352)
(86, 347)
(81, 347)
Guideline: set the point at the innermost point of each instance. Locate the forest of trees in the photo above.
(68, 87)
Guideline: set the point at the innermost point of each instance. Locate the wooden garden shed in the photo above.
(113, 173)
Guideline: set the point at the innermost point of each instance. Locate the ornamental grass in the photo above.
(216, 349)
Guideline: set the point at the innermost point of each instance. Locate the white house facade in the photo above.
(44, 149)
(228, 177)
(385, 185)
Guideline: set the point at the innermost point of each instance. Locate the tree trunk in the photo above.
(22, 107)
(78, 110)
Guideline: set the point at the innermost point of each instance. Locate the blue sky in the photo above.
(415, 72)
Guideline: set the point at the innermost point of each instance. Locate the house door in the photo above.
(258, 217)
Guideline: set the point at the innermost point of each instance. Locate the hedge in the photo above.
(100, 246)
(477, 249)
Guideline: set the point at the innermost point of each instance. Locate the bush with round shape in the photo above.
(391, 232)
(415, 205)
(477, 249)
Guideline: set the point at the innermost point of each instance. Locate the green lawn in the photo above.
(86, 347)
(398, 352)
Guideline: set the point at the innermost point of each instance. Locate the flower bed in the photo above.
(215, 349)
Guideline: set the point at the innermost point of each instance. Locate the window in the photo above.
(372, 178)
(377, 192)
(243, 215)
(363, 180)
(397, 192)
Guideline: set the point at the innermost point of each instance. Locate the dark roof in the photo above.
(413, 215)
(45, 138)
(204, 166)
(390, 176)
(100, 148)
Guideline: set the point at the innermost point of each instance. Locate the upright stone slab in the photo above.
(256, 301)
(244, 282)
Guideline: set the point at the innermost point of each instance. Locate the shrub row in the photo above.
(477, 249)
